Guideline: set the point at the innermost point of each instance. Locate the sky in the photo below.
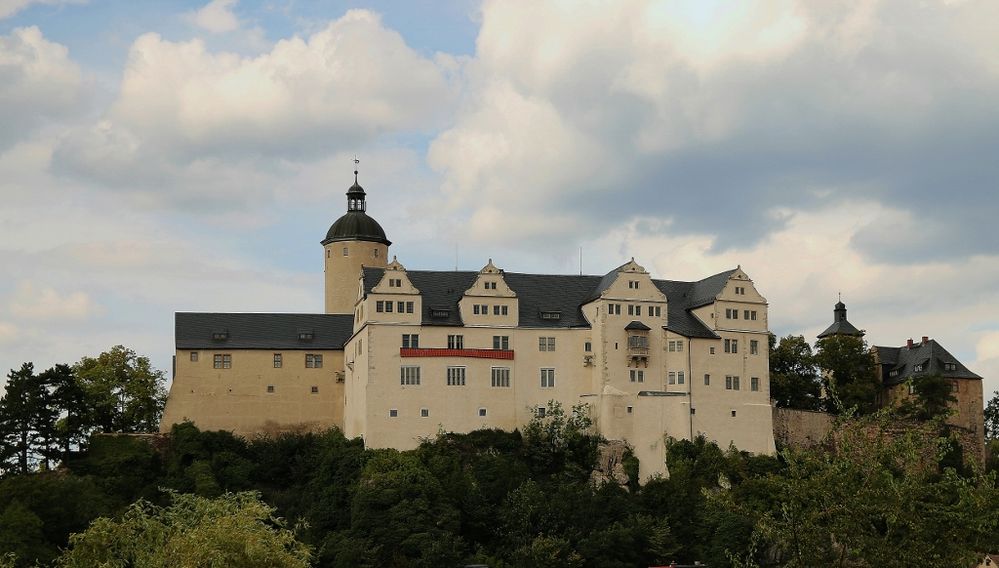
(161, 156)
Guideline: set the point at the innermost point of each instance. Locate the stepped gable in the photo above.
(196, 330)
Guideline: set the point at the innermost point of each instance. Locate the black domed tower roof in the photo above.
(356, 225)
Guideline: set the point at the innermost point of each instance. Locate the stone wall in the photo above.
(800, 428)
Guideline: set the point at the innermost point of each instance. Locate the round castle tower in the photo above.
(355, 240)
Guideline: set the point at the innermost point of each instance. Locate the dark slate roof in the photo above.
(842, 327)
(635, 324)
(565, 294)
(356, 226)
(930, 354)
(262, 331)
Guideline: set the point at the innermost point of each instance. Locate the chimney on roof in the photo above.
(926, 339)
(909, 343)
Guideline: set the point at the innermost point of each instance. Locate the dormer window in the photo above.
(918, 368)
(551, 315)
(220, 335)
(893, 373)
(306, 335)
(950, 366)
(439, 313)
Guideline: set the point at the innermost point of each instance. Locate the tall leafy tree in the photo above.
(74, 423)
(794, 378)
(933, 397)
(851, 377)
(124, 392)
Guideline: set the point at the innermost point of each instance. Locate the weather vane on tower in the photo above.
(356, 161)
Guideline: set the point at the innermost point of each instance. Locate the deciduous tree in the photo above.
(850, 374)
(124, 392)
(794, 378)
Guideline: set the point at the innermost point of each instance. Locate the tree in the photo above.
(27, 421)
(933, 397)
(794, 380)
(123, 391)
(992, 417)
(851, 378)
(236, 529)
(879, 497)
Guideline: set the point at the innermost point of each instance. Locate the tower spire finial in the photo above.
(356, 161)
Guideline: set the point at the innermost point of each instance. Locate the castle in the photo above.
(400, 355)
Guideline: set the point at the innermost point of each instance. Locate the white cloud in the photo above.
(716, 113)
(31, 302)
(37, 81)
(10, 7)
(216, 16)
(181, 105)
(8, 332)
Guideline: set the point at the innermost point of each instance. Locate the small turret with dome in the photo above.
(354, 241)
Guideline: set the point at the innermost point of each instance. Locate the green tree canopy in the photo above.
(794, 378)
(933, 399)
(124, 392)
(27, 421)
(851, 376)
(236, 529)
(992, 417)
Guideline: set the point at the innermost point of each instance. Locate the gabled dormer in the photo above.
(394, 298)
(628, 292)
(731, 301)
(489, 300)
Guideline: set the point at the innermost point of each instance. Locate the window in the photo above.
(484, 309)
(675, 346)
(315, 390)
(633, 284)
(379, 306)
(549, 315)
(655, 311)
(194, 356)
(490, 285)
(707, 380)
(424, 412)
(375, 252)
(393, 413)
(893, 373)
(754, 347)
(388, 307)
(754, 384)
(313, 361)
(733, 414)
(410, 341)
(637, 376)
(222, 361)
(409, 307)
(546, 344)
(501, 377)
(482, 412)
(409, 376)
(270, 388)
(679, 377)
(496, 310)
(400, 307)
(456, 376)
(541, 412)
(220, 335)
(344, 251)
(631, 409)
(631, 310)
(547, 378)
(439, 313)
(918, 368)
(614, 309)
(501, 342)
(731, 346)
(588, 346)
(638, 342)
(954, 386)
(475, 309)
(711, 350)
(740, 290)
(456, 342)
(731, 382)
(659, 311)
(752, 315)
(306, 335)
(278, 361)
(947, 366)
(672, 377)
